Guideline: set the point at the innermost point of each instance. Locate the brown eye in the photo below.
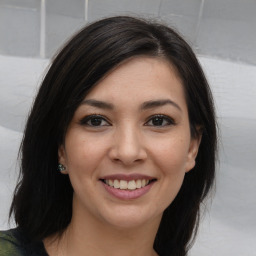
(160, 120)
(94, 121)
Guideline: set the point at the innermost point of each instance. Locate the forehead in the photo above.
(142, 79)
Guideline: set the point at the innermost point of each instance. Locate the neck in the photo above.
(88, 236)
(109, 241)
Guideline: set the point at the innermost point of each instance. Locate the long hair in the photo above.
(42, 202)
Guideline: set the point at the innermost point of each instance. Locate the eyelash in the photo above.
(89, 118)
(85, 121)
(165, 118)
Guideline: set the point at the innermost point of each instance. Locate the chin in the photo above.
(130, 217)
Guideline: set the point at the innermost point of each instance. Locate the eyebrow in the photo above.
(146, 105)
(98, 104)
(159, 103)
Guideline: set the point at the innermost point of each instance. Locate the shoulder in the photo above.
(15, 242)
(9, 243)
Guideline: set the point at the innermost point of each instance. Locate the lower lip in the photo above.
(127, 194)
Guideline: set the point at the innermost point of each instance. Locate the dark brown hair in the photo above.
(42, 203)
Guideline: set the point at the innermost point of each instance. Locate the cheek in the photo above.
(83, 153)
(82, 160)
(171, 155)
(171, 162)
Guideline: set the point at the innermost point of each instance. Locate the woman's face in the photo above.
(129, 146)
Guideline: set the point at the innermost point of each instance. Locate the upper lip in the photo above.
(127, 177)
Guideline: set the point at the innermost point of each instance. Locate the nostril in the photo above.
(127, 148)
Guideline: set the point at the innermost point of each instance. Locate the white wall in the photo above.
(229, 227)
(213, 28)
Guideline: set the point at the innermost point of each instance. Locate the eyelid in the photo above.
(87, 118)
(170, 120)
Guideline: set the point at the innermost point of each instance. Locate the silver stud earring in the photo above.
(61, 167)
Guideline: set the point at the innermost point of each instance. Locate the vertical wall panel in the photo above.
(227, 30)
(224, 30)
(20, 28)
(63, 18)
(182, 15)
(102, 8)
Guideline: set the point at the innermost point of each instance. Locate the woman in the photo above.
(119, 148)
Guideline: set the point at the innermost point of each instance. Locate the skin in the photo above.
(127, 139)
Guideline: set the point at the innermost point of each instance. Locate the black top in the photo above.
(15, 242)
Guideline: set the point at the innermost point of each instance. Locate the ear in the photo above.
(193, 150)
(63, 158)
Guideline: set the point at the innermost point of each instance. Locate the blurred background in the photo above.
(221, 32)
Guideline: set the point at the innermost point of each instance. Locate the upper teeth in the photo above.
(124, 184)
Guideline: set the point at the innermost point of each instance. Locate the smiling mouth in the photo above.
(127, 185)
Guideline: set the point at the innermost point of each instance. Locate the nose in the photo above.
(127, 146)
